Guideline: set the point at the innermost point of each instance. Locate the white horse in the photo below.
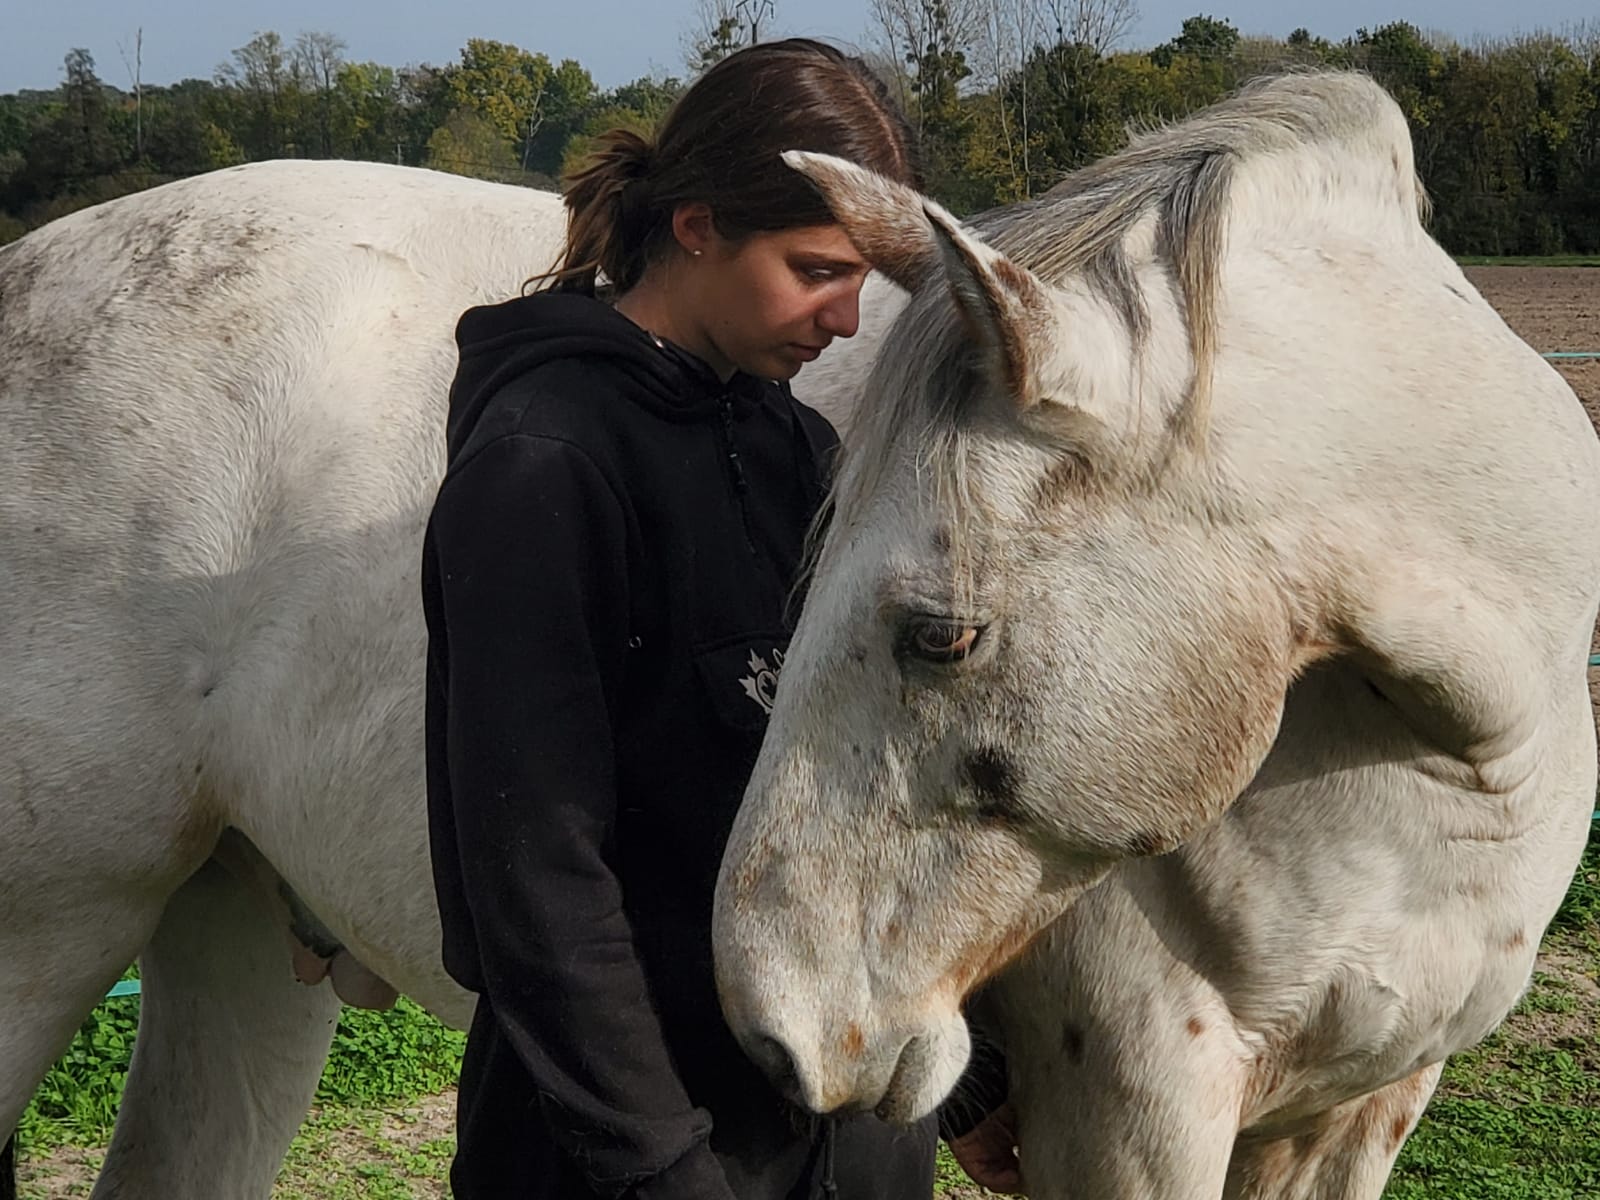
(222, 407)
(1207, 603)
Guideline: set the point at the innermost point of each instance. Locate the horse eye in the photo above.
(943, 641)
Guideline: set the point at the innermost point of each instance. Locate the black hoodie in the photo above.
(608, 579)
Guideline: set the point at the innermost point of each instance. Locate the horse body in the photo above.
(222, 411)
(1215, 621)
(1373, 900)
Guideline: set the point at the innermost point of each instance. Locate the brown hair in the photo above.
(720, 145)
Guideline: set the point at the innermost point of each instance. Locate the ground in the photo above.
(1552, 309)
(1517, 1117)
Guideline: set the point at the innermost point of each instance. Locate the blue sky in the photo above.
(617, 40)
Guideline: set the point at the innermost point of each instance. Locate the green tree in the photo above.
(84, 126)
(1073, 120)
(503, 84)
(936, 55)
(318, 61)
(468, 144)
(638, 105)
(1201, 37)
(183, 135)
(569, 97)
(265, 94)
(534, 105)
(715, 44)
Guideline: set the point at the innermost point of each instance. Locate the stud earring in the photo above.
(696, 253)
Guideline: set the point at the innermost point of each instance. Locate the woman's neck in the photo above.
(658, 309)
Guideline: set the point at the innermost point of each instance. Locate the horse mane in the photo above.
(1180, 177)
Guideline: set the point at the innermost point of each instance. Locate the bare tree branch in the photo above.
(318, 58)
(912, 32)
(1098, 24)
(719, 27)
(135, 72)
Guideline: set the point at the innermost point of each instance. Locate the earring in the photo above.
(696, 253)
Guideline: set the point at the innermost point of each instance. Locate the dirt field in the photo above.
(1551, 308)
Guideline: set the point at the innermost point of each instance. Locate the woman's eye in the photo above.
(942, 641)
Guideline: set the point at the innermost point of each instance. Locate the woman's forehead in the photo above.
(828, 242)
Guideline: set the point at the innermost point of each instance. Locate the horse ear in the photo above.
(1005, 306)
(909, 238)
(883, 219)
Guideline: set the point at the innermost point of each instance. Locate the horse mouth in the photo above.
(903, 1101)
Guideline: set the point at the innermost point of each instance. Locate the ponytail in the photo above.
(609, 218)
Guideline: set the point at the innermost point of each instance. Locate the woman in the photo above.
(607, 580)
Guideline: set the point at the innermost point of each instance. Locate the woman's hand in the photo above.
(988, 1152)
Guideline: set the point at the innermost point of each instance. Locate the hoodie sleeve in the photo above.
(530, 552)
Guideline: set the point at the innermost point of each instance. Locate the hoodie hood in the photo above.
(502, 341)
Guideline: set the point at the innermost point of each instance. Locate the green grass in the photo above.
(377, 1058)
(1527, 260)
(1517, 1117)
(342, 1154)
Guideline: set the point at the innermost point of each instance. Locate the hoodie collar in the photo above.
(501, 341)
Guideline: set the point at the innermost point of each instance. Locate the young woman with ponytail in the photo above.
(607, 580)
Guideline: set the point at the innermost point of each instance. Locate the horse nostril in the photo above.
(775, 1061)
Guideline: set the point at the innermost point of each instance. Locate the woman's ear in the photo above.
(693, 227)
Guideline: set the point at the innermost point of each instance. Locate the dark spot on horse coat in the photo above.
(1196, 1026)
(1143, 845)
(19, 268)
(996, 779)
(1397, 1133)
(1072, 1043)
(1060, 483)
(855, 1042)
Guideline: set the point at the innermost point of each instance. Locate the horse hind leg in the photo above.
(1347, 1154)
(229, 1051)
(61, 947)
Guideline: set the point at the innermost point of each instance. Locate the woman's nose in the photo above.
(841, 317)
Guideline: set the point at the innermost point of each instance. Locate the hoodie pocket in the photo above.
(740, 676)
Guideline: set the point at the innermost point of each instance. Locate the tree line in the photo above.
(1006, 95)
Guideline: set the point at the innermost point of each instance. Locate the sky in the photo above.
(617, 40)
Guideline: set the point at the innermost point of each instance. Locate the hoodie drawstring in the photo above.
(725, 406)
(829, 1189)
(741, 485)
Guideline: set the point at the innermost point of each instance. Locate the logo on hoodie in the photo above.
(761, 685)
